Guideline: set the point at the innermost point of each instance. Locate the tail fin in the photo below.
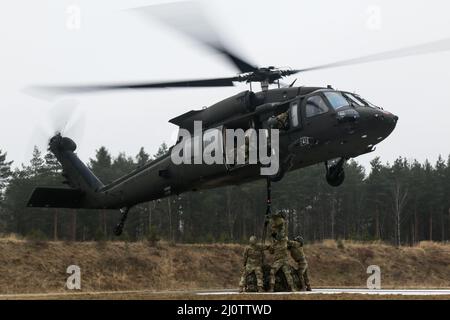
(78, 176)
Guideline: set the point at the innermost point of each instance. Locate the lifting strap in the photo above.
(124, 215)
(268, 208)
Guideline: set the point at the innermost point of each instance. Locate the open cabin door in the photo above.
(213, 146)
(237, 148)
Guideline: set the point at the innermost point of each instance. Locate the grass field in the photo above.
(40, 267)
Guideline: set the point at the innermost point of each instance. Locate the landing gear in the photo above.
(335, 173)
(119, 228)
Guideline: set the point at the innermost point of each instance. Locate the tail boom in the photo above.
(83, 183)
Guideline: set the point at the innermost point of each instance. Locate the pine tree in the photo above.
(37, 163)
(5, 172)
(142, 157)
(52, 166)
(122, 165)
(101, 165)
(162, 150)
(440, 204)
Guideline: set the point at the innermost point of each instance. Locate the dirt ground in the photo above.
(31, 267)
(193, 296)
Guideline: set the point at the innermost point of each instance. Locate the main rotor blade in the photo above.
(188, 18)
(217, 82)
(430, 47)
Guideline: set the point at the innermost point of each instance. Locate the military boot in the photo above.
(302, 285)
(260, 289)
(294, 288)
(241, 289)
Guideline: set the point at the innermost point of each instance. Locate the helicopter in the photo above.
(315, 125)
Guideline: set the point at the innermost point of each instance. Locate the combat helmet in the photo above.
(300, 240)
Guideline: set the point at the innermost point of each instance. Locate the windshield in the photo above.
(336, 99)
(355, 100)
(370, 104)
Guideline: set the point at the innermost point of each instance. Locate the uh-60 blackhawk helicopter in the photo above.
(320, 125)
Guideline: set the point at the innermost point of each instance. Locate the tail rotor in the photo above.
(61, 120)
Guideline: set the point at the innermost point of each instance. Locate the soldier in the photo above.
(280, 121)
(296, 249)
(279, 249)
(253, 261)
(278, 225)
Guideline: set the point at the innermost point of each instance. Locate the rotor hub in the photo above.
(60, 143)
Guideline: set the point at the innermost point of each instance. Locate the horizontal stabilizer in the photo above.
(43, 197)
(186, 120)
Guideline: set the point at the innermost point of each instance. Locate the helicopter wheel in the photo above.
(336, 180)
(335, 174)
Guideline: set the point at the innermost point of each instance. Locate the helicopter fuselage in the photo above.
(310, 137)
(322, 124)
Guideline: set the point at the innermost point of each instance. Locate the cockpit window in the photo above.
(355, 100)
(336, 99)
(315, 105)
(371, 104)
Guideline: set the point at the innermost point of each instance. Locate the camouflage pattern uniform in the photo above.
(253, 261)
(296, 249)
(279, 249)
(279, 122)
(278, 226)
(282, 120)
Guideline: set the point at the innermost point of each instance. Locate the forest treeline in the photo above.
(402, 203)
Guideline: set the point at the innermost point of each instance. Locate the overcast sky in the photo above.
(41, 44)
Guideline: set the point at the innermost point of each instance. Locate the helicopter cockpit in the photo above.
(317, 103)
(326, 113)
(346, 105)
(341, 99)
(336, 99)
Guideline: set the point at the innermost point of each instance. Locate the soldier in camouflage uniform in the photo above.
(279, 121)
(253, 261)
(296, 249)
(279, 249)
(282, 120)
(278, 226)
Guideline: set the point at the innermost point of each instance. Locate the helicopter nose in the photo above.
(387, 117)
(384, 123)
(395, 118)
(376, 124)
